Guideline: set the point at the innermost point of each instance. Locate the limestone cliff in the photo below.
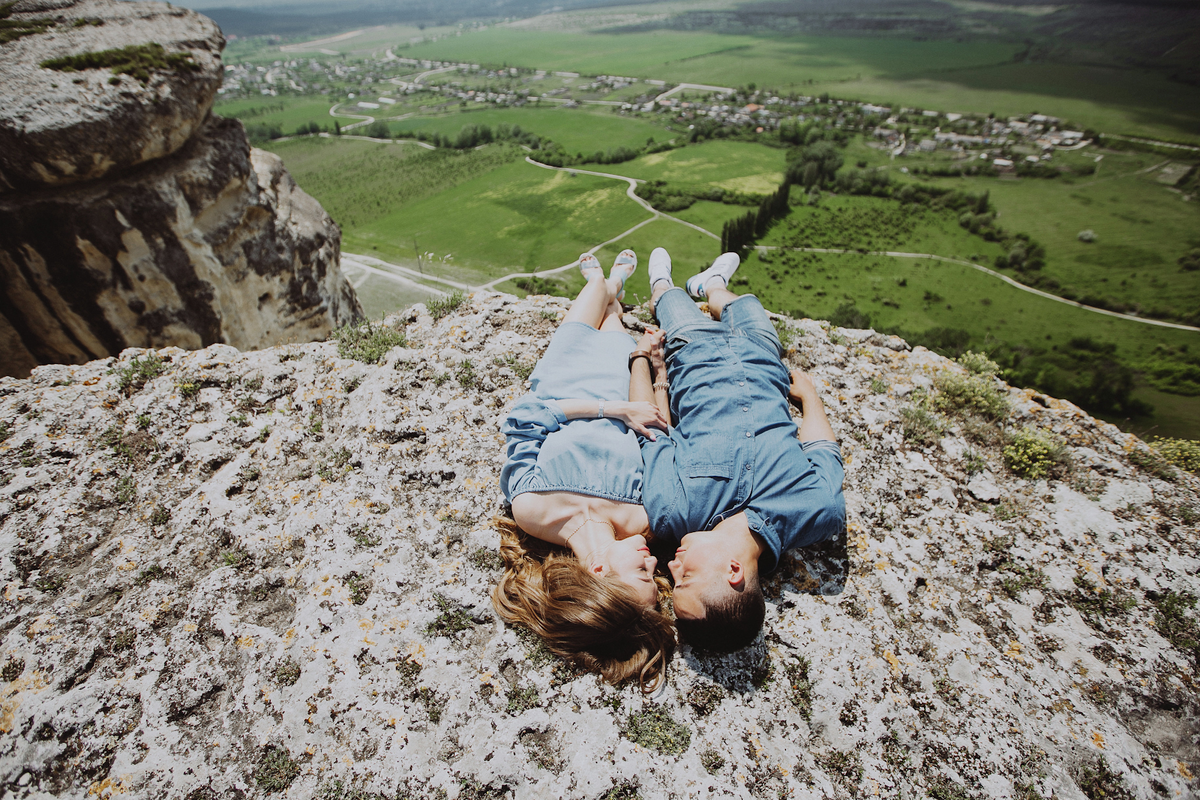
(129, 215)
(262, 574)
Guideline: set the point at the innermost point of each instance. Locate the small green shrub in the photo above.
(879, 385)
(1098, 782)
(443, 306)
(235, 558)
(972, 393)
(287, 673)
(1183, 453)
(150, 573)
(360, 588)
(656, 729)
(801, 694)
(520, 700)
(160, 516)
(336, 790)
(520, 368)
(141, 370)
(450, 620)
(5, 431)
(920, 426)
(136, 61)
(1094, 603)
(486, 559)
(467, 377)
(712, 761)
(188, 389)
(978, 363)
(143, 421)
(1172, 622)
(126, 489)
(787, 334)
(1032, 454)
(1150, 461)
(434, 703)
(367, 342)
(276, 771)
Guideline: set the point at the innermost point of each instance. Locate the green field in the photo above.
(295, 111)
(577, 130)
(516, 218)
(738, 166)
(971, 76)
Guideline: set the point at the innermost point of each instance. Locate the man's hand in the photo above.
(802, 389)
(649, 338)
(639, 417)
(658, 357)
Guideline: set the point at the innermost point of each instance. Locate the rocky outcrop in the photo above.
(130, 216)
(228, 574)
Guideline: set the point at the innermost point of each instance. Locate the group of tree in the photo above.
(739, 234)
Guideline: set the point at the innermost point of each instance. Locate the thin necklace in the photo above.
(586, 520)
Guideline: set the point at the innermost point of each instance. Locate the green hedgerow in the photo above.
(972, 393)
(1034, 454)
(1183, 453)
(367, 342)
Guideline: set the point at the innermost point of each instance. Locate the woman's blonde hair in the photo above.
(596, 623)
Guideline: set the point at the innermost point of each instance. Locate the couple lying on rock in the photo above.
(684, 439)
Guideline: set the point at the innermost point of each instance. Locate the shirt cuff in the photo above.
(822, 444)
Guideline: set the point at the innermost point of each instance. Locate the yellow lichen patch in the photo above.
(882, 565)
(291, 634)
(1014, 650)
(366, 624)
(127, 566)
(1184, 771)
(245, 641)
(1098, 739)
(42, 624)
(109, 787)
(190, 627)
(893, 661)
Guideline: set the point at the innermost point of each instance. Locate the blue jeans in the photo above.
(684, 323)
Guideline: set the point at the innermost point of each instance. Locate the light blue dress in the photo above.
(548, 453)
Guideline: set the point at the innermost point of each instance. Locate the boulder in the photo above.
(59, 127)
(266, 574)
(214, 243)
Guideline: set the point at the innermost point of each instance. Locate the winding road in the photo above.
(383, 267)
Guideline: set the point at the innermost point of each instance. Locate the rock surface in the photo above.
(267, 574)
(63, 127)
(186, 237)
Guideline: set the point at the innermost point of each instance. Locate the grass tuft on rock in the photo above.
(367, 342)
(450, 620)
(276, 770)
(971, 393)
(1172, 622)
(137, 61)
(442, 306)
(140, 371)
(656, 729)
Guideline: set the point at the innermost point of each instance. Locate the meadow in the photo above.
(288, 112)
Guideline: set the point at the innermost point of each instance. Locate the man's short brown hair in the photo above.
(731, 621)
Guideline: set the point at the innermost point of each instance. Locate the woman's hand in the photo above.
(648, 338)
(658, 359)
(639, 417)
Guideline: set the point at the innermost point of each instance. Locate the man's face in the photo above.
(700, 569)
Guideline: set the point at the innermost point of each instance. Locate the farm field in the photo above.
(973, 76)
(739, 166)
(288, 113)
(575, 129)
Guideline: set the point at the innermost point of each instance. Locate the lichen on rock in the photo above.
(312, 613)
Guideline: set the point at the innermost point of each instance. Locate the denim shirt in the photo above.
(736, 450)
(546, 452)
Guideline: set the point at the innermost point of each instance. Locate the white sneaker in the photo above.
(660, 267)
(723, 268)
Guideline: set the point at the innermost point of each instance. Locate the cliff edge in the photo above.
(129, 215)
(267, 574)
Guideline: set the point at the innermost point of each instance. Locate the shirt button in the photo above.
(741, 383)
(747, 466)
(745, 408)
(748, 434)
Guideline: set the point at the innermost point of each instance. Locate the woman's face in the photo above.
(629, 560)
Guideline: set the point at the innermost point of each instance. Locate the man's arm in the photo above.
(815, 425)
(648, 376)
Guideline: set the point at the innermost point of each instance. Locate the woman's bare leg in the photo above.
(612, 318)
(592, 304)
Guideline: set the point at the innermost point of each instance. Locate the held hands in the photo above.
(652, 342)
(639, 417)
